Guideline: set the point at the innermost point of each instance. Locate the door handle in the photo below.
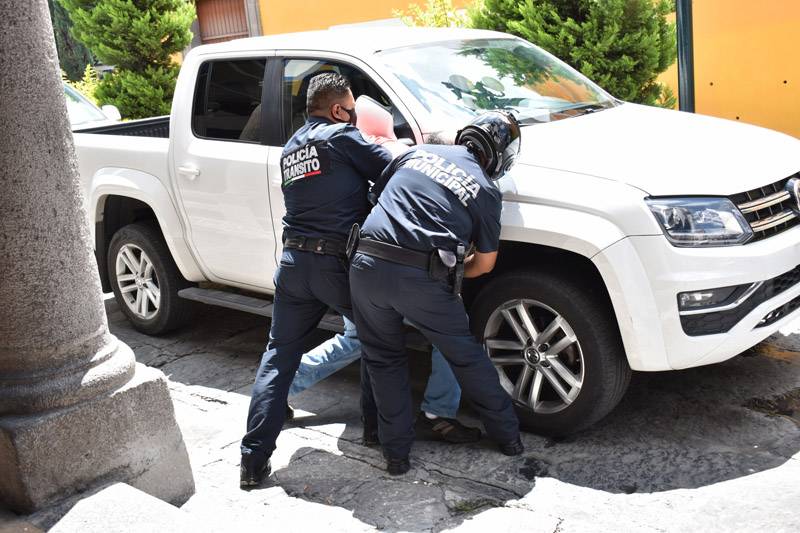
(189, 171)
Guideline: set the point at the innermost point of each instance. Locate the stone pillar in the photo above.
(75, 408)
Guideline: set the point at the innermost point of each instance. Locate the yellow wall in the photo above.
(283, 16)
(746, 62)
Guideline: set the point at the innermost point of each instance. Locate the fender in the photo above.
(625, 279)
(112, 181)
(553, 226)
(590, 216)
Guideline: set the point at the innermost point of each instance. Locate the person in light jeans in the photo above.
(437, 421)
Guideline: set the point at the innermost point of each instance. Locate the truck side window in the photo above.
(297, 74)
(227, 100)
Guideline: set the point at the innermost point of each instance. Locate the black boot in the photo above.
(398, 466)
(512, 448)
(253, 470)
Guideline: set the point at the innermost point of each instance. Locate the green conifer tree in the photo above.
(623, 45)
(72, 54)
(139, 39)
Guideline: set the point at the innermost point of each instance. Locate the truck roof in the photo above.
(352, 40)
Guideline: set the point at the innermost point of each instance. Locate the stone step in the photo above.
(120, 508)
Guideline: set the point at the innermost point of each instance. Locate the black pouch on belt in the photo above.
(352, 242)
(437, 268)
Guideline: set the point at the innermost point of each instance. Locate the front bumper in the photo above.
(645, 274)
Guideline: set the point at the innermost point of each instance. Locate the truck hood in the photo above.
(663, 152)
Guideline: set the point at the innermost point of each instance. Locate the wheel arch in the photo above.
(517, 256)
(123, 196)
(514, 256)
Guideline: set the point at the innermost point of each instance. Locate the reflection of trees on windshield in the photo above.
(521, 65)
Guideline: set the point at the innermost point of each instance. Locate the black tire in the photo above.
(587, 310)
(172, 311)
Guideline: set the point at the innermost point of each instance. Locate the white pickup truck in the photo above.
(634, 238)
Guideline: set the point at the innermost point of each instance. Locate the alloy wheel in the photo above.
(537, 355)
(137, 281)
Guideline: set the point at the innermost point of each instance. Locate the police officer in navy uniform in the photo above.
(325, 167)
(433, 202)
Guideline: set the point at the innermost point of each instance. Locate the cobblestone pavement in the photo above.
(709, 449)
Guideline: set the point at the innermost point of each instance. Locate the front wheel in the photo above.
(556, 347)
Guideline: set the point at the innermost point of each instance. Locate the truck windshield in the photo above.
(455, 80)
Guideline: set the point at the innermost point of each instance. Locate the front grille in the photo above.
(770, 210)
(723, 321)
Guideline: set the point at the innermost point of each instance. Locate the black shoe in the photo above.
(512, 448)
(370, 435)
(289, 412)
(398, 467)
(253, 470)
(445, 429)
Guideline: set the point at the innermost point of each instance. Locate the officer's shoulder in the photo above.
(344, 129)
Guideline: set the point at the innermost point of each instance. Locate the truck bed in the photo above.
(146, 127)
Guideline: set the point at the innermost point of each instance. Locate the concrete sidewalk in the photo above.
(710, 449)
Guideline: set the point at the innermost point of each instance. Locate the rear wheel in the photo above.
(146, 280)
(556, 347)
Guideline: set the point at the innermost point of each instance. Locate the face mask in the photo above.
(352, 114)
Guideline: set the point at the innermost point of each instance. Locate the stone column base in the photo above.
(128, 435)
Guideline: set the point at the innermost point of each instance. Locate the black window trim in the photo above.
(273, 77)
(264, 91)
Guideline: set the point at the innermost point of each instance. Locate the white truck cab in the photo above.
(634, 238)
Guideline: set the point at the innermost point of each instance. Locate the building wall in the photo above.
(283, 16)
(746, 62)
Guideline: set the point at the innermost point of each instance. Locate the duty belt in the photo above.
(318, 246)
(430, 262)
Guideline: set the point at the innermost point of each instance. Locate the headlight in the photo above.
(700, 221)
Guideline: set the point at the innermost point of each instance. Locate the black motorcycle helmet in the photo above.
(493, 137)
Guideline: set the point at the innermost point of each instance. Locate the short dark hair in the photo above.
(323, 88)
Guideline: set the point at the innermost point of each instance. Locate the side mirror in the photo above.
(111, 112)
(407, 142)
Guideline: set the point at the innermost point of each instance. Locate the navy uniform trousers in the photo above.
(306, 285)
(384, 293)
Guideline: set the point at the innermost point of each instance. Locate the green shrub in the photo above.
(87, 85)
(139, 95)
(623, 45)
(139, 38)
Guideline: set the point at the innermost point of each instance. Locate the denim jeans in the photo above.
(442, 394)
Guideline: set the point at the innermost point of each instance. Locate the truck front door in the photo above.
(220, 158)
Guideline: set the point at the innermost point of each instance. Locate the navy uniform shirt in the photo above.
(436, 196)
(325, 167)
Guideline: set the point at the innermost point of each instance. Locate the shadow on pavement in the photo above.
(674, 430)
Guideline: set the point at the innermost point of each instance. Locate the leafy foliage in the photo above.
(138, 37)
(623, 45)
(72, 54)
(87, 85)
(139, 95)
(435, 14)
